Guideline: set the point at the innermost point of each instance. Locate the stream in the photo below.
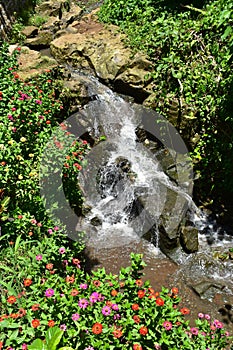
(130, 192)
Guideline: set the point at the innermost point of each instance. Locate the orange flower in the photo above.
(151, 290)
(96, 283)
(143, 330)
(108, 303)
(117, 333)
(159, 301)
(135, 307)
(35, 323)
(27, 282)
(74, 292)
(70, 279)
(136, 319)
(114, 292)
(11, 299)
(22, 312)
(137, 347)
(97, 328)
(49, 266)
(14, 316)
(51, 323)
(185, 311)
(139, 283)
(122, 284)
(141, 293)
(175, 290)
(3, 317)
(35, 307)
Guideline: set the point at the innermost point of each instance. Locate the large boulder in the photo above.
(101, 50)
(32, 63)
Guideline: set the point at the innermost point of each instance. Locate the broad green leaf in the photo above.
(53, 337)
(37, 345)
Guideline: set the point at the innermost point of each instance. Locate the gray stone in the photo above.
(189, 239)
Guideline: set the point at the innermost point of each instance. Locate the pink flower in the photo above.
(75, 317)
(33, 221)
(50, 231)
(10, 117)
(83, 286)
(39, 257)
(207, 317)
(56, 228)
(24, 346)
(201, 315)
(94, 297)
(39, 102)
(194, 331)
(63, 327)
(49, 293)
(106, 310)
(13, 109)
(83, 303)
(62, 250)
(167, 325)
(218, 324)
(115, 307)
(39, 224)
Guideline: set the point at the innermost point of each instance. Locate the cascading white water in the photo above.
(113, 192)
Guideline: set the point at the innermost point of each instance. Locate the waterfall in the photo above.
(124, 183)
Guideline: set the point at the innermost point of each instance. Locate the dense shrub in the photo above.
(191, 51)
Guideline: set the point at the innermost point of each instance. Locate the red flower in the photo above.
(97, 328)
(35, 323)
(159, 301)
(141, 293)
(117, 333)
(35, 307)
(185, 311)
(1, 344)
(135, 307)
(114, 292)
(27, 282)
(51, 323)
(136, 319)
(143, 330)
(11, 299)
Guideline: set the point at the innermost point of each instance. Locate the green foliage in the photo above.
(37, 20)
(191, 49)
(68, 308)
(15, 35)
(30, 112)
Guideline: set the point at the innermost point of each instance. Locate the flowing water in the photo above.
(126, 190)
(124, 183)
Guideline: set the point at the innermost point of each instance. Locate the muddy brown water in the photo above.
(161, 271)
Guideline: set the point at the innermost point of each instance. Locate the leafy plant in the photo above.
(190, 46)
